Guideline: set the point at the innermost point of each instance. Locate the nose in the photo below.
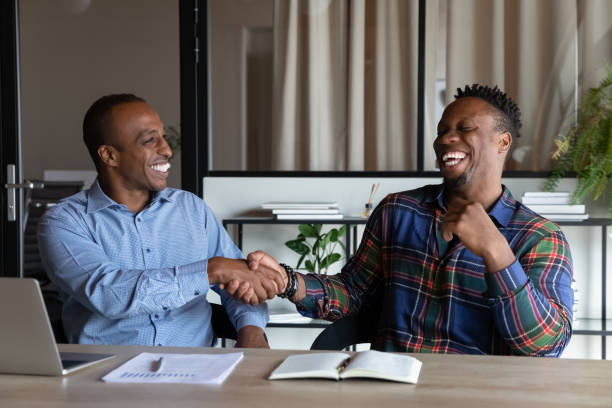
(448, 136)
(164, 149)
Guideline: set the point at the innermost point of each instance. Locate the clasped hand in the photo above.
(252, 285)
(470, 222)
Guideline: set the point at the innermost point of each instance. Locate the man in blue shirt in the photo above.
(134, 259)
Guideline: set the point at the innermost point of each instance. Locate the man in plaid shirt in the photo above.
(460, 267)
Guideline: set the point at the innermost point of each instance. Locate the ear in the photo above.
(504, 142)
(108, 155)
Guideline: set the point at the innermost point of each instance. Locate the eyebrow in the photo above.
(147, 133)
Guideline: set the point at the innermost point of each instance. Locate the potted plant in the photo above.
(173, 137)
(586, 148)
(316, 249)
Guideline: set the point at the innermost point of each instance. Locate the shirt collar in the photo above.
(98, 200)
(502, 211)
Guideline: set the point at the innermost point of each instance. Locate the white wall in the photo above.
(231, 197)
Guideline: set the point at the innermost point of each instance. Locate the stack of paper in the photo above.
(175, 368)
(554, 205)
(304, 210)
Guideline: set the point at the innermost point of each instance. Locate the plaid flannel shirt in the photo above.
(435, 297)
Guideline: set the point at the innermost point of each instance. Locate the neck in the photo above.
(134, 200)
(487, 194)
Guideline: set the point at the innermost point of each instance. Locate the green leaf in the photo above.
(317, 227)
(325, 240)
(342, 231)
(330, 259)
(297, 245)
(333, 235)
(308, 230)
(300, 261)
(309, 266)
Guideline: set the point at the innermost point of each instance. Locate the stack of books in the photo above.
(554, 205)
(304, 210)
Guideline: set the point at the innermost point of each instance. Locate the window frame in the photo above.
(195, 99)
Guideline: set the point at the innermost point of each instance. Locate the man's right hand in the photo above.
(258, 259)
(257, 284)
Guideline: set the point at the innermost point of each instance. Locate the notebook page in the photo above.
(390, 366)
(175, 368)
(320, 365)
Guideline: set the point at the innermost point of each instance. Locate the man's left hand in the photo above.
(470, 222)
(252, 337)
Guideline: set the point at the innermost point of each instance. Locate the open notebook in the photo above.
(27, 344)
(339, 366)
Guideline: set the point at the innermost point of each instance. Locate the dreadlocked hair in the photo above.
(509, 118)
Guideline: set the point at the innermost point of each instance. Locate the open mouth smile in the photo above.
(451, 159)
(162, 168)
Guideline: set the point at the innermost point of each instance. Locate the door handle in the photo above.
(31, 185)
(12, 186)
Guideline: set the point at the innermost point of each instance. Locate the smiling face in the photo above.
(137, 153)
(470, 150)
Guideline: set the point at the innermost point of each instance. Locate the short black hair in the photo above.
(509, 119)
(96, 124)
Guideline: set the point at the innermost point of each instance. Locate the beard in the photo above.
(456, 183)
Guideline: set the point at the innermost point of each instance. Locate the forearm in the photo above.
(328, 297)
(119, 293)
(531, 323)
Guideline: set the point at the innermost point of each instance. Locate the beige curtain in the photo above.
(538, 52)
(529, 49)
(345, 74)
(595, 41)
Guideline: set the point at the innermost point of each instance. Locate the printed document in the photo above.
(175, 368)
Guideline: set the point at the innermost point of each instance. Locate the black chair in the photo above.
(36, 203)
(354, 329)
(221, 324)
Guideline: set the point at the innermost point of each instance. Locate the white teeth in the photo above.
(161, 167)
(453, 155)
(451, 162)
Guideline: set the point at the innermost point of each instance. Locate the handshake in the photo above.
(253, 281)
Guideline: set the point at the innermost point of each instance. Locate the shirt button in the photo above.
(138, 219)
(148, 250)
(165, 307)
(157, 316)
(196, 293)
(159, 344)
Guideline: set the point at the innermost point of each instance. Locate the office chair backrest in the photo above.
(221, 324)
(353, 329)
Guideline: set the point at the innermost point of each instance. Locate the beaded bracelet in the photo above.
(292, 283)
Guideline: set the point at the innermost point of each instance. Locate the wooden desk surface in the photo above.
(446, 381)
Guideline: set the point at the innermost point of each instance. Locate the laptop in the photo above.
(27, 344)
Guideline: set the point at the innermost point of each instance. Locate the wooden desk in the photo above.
(446, 381)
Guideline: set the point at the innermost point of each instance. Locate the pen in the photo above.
(157, 365)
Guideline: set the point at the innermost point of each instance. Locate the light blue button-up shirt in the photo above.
(138, 278)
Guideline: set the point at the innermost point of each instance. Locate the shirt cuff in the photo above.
(258, 317)
(192, 280)
(507, 281)
(315, 294)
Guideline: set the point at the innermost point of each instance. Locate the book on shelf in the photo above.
(339, 366)
(558, 209)
(309, 216)
(547, 194)
(288, 318)
(299, 205)
(306, 211)
(565, 217)
(546, 200)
